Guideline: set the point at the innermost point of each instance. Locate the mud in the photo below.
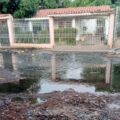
(66, 105)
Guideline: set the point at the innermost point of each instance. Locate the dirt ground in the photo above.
(66, 105)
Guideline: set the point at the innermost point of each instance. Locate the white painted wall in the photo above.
(91, 26)
(107, 26)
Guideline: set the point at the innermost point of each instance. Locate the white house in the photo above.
(95, 23)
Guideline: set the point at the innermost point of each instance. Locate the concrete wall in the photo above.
(91, 25)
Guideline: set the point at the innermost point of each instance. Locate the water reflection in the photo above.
(47, 72)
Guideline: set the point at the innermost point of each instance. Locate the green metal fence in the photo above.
(31, 31)
(4, 36)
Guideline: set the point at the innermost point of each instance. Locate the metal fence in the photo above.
(117, 28)
(31, 31)
(4, 36)
(82, 32)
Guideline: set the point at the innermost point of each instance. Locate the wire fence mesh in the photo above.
(4, 36)
(31, 31)
(84, 32)
(68, 31)
(117, 28)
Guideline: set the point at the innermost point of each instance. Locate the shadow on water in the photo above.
(48, 72)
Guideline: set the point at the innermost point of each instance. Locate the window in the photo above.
(63, 23)
(100, 26)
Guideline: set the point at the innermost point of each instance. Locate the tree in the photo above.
(91, 2)
(113, 1)
(3, 6)
(117, 3)
(54, 3)
(27, 8)
(19, 8)
(13, 6)
(80, 3)
(101, 2)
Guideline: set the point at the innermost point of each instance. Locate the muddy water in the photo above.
(43, 72)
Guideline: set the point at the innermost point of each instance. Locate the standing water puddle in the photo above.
(47, 72)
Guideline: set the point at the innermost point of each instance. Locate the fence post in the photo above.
(111, 30)
(51, 30)
(10, 30)
(73, 23)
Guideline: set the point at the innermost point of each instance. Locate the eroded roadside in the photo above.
(66, 105)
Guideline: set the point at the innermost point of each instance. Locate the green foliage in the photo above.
(91, 2)
(27, 8)
(101, 2)
(13, 5)
(65, 36)
(19, 8)
(24, 37)
(3, 6)
(113, 1)
(117, 3)
(54, 3)
(80, 3)
(43, 36)
(29, 37)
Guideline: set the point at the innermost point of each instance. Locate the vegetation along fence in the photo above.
(31, 31)
(81, 31)
(117, 28)
(93, 31)
(4, 36)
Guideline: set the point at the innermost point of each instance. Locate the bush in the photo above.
(65, 36)
(42, 36)
(29, 37)
(25, 37)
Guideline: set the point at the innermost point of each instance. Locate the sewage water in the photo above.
(47, 72)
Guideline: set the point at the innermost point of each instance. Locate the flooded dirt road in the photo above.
(60, 86)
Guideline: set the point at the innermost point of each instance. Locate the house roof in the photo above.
(73, 10)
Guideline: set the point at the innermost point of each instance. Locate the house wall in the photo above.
(89, 26)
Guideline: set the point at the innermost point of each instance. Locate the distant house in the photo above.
(91, 22)
(79, 26)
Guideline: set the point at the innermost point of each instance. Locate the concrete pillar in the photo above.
(111, 30)
(108, 72)
(30, 26)
(73, 23)
(51, 31)
(106, 26)
(53, 66)
(10, 30)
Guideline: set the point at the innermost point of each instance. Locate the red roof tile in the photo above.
(77, 10)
